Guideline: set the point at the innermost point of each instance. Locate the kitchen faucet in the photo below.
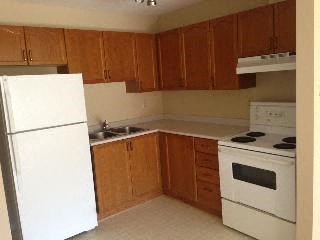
(105, 125)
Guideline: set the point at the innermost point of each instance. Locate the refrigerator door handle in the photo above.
(6, 103)
(16, 163)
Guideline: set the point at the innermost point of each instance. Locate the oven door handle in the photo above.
(257, 156)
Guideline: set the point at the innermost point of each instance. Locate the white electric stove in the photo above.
(258, 174)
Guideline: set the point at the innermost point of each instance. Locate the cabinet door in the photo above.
(112, 177)
(46, 46)
(170, 60)
(224, 53)
(147, 62)
(12, 46)
(145, 165)
(196, 46)
(256, 31)
(285, 26)
(181, 161)
(85, 54)
(119, 48)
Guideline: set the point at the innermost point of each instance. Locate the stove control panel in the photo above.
(273, 114)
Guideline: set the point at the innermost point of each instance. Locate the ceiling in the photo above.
(124, 6)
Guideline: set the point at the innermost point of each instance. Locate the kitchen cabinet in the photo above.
(181, 162)
(120, 56)
(207, 175)
(145, 164)
(285, 26)
(196, 56)
(45, 46)
(170, 60)
(224, 54)
(112, 177)
(147, 68)
(12, 46)
(85, 55)
(256, 31)
(126, 172)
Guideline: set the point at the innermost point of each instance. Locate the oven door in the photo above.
(259, 180)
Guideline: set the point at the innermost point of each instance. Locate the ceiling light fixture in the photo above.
(149, 2)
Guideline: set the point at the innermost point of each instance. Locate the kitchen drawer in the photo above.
(208, 175)
(207, 160)
(209, 196)
(206, 146)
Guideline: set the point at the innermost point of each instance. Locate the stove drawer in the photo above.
(206, 146)
(208, 175)
(207, 160)
(209, 196)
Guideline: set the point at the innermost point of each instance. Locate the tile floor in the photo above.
(163, 218)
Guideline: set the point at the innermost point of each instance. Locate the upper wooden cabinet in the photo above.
(145, 164)
(12, 46)
(196, 56)
(225, 55)
(45, 46)
(181, 162)
(170, 60)
(119, 51)
(112, 177)
(256, 31)
(285, 26)
(147, 69)
(85, 55)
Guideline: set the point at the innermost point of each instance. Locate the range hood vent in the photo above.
(267, 63)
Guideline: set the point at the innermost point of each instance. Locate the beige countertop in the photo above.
(187, 128)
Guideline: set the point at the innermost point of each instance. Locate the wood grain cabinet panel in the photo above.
(180, 154)
(145, 164)
(196, 51)
(170, 60)
(119, 51)
(147, 62)
(85, 54)
(256, 31)
(285, 26)
(46, 46)
(112, 177)
(12, 46)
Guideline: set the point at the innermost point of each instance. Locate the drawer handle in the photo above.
(30, 56)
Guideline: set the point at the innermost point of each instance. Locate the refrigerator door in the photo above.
(55, 191)
(36, 102)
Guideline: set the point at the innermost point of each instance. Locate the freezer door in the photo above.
(35, 102)
(55, 195)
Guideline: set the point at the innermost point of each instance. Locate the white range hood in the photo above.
(267, 63)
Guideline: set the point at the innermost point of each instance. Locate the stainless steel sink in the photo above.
(126, 130)
(114, 132)
(102, 135)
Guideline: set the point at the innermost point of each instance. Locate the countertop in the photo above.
(187, 128)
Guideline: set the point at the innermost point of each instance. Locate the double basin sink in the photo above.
(115, 132)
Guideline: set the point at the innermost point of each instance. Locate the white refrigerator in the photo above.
(45, 156)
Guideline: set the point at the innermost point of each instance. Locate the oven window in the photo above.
(257, 176)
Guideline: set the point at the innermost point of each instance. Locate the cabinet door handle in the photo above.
(271, 43)
(24, 55)
(30, 56)
(131, 148)
(105, 75)
(109, 74)
(276, 42)
(128, 146)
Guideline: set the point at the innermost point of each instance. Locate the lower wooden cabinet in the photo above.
(126, 173)
(190, 171)
(145, 164)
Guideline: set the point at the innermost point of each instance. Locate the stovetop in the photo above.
(277, 144)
